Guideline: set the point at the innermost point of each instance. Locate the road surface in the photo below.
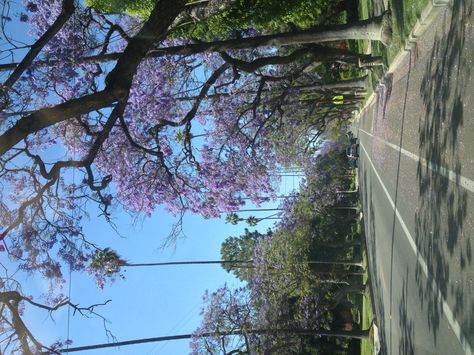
(416, 174)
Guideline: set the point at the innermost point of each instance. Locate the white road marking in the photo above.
(434, 286)
(458, 179)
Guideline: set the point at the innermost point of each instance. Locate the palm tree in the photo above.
(233, 218)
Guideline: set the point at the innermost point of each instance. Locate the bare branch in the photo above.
(11, 300)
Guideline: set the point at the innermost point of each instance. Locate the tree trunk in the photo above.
(240, 263)
(357, 334)
(118, 81)
(354, 208)
(337, 273)
(349, 85)
(371, 29)
(259, 210)
(344, 291)
(356, 83)
(337, 262)
(49, 116)
(376, 29)
(339, 245)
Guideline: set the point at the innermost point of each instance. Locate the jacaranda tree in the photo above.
(233, 323)
(143, 118)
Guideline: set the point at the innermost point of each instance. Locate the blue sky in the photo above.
(150, 302)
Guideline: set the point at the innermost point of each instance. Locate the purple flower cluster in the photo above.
(72, 42)
(225, 310)
(232, 162)
(227, 152)
(280, 287)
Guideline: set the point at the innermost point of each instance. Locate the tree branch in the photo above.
(261, 62)
(49, 116)
(118, 81)
(66, 12)
(366, 28)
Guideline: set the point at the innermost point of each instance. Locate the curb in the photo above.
(428, 15)
(377, 345)
(356, 177)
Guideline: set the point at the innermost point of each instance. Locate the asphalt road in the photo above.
(416, 175)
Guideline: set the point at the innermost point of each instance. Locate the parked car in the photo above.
(352, 151)
(352, 139)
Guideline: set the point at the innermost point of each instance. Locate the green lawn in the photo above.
(364, 304)
(404, 16)
(366, 345)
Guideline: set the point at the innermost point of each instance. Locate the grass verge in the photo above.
(405, 13)
(363, 304)
(366, 345)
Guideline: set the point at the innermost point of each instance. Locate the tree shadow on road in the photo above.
(443, 205)
(406, 324)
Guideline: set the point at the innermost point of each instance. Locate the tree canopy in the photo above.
(146, 119)
(238, 15)
(136, 112)
(241, 248)
(302, 272)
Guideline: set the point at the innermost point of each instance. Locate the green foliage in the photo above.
(252, 221)
(139, 8)
(180, 136)
(240, 248)
(232, 218)
(263, 15)
(282, 275)
(334, 129)
(106, 261)
(291, 251)
(347, 72)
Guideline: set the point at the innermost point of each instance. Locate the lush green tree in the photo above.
(240, 15)
(140, 8)
(241, 248)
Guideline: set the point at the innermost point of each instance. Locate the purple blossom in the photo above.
(228, 151)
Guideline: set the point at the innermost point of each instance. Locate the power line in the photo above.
(178, 326)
